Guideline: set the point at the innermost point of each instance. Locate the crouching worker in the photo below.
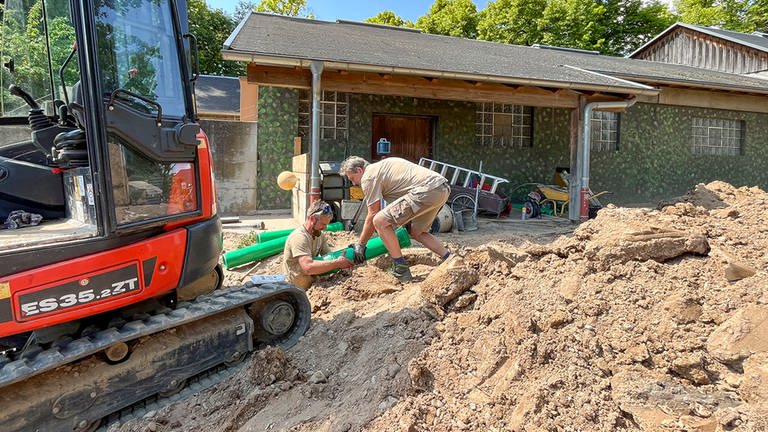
(413, 194)
(308, 241)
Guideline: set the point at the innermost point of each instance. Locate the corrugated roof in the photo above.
(758, 41)
(273, 39)
(217, 94)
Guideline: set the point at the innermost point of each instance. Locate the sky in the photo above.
(354, 10)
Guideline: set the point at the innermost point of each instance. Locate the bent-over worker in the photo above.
(413, 194)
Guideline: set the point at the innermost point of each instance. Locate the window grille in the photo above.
(504, 125)
(604, 131)
(718, 137)
(334, 117)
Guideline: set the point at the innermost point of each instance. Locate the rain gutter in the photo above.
(578, 208)
(314, 154)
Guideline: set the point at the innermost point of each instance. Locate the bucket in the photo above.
(465, 220)
(443, 221)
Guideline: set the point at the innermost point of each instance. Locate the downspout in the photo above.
(579, 209)
(314, 153)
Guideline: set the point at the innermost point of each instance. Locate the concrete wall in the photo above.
(235, 162)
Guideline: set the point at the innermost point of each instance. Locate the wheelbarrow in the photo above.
(558, 198)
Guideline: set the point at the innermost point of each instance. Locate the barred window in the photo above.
(604, 131)
(504, 125)
(333, 115)
(717, 137)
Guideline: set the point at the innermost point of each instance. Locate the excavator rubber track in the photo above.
(274, 314)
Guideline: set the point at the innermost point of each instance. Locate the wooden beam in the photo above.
(412, 86)
(712, 99)
(279, 76)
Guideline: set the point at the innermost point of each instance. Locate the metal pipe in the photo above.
(579, 210)
(314, 154)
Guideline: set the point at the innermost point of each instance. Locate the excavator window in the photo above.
(138, 52)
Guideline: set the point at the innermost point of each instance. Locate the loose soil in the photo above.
(642, 319)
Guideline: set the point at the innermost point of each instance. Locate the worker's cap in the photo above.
(320, 207)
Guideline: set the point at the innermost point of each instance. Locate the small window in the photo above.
(604, 133)
(717, 137)
(333, 115)
(504, 125)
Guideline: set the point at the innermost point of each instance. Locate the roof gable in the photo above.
(756, 40)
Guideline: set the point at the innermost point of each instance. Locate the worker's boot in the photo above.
(401, 271)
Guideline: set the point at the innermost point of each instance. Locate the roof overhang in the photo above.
(622, 85)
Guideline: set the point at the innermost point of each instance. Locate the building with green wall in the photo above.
(521, 111)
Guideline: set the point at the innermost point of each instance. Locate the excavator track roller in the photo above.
(282, 319)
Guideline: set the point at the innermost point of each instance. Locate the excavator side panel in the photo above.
(93, 284)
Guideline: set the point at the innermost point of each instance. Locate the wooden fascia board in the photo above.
(446, 89)
(413, 86)
(276, 76)
(714, 100)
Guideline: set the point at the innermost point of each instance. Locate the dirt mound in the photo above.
(642, 319)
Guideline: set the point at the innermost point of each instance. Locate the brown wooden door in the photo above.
(411, 136)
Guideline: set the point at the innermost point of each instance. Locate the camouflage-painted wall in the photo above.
(278, 125)
(454, 138)
(654, 160)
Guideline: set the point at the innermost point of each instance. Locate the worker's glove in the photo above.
(359, 250)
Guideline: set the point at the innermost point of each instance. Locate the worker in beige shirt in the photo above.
(413, 194)
(308, 241)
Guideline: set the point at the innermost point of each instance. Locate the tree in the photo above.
(613, 27)
(212, 27)
(285, 7)
(628, 24)
(733, 15)
(243, 9)
(573, 24)
(451, 17)
(511, 21)
(757, 16)
(389, 18)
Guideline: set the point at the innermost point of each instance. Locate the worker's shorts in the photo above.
(419, 207)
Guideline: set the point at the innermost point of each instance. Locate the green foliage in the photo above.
(389, 18)
(573, 24)
(212, 27)
(285, 7)
(632, 23)
(757, 16)
(511, 21)
(613, 27)
(243, 9)
(737, 15)
(450, 17)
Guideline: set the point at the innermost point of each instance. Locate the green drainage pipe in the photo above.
(263, 250)
(375, 247)
(275, 234)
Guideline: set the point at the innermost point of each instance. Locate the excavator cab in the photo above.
(106, 184)
(110, 239)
